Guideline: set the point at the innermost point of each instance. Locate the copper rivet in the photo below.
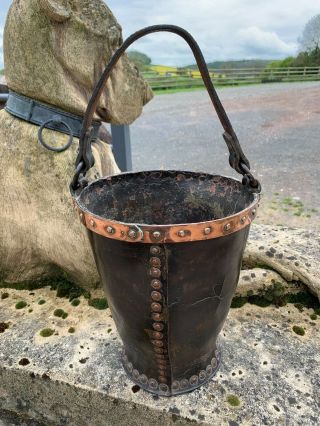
(92, 223)
(202, 375)
(227, 227)
(153, 384)
(182, 233)
(164, 388)
(155, 295)
(130, 367)
(243, 219)
(110, 230)
(214, 362)
(209, 370)
(156, 307)
(156, 235)
(155, 261)
(207, 231)
(158, 326)
(194, 380)
(184, 384)
(155, 250)
(175, 385)
(132, 234)
(157, 317)
(143, 379)
(157, 335)
(135, 374)
(155, 272)
(157, 343)
(156, 284)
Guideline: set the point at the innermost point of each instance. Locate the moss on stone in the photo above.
(62, 285)
(3, 326)
(313, 317)
(46, 332)
(238, 302)
(98, 303)
(41, 302)
(71, 330)
(60, 313)
(75, 302)
(299, 330)
(4, 296)
(21, 304)
(233, 400)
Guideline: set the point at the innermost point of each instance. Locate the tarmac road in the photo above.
(278, 126)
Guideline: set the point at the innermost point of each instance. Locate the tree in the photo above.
(141, 60)
(310, 38)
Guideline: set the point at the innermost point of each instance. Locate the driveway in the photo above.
(278, 126)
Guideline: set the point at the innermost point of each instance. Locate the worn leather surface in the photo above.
(198, 281)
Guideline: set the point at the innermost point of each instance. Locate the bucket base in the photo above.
(151, 385)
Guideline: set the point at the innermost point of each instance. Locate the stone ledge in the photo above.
(77, 379)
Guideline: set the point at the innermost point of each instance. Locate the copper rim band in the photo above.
(181, 233)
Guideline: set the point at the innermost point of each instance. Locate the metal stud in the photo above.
(157, 343)
(153, 384)
(132, 234)
(155, 250)
(110, 230)
(214, 362)
(227, 227)
(202, 376)
(156, 307)
(157, 317)
(184, 384)
(130, 367)
(155, 272)
(175, 385)
(207, 231)
(182, 233)
(156, 284)
(194, 380)
(155, 295)
(156, 235)
(243, 220)
(92, 223)
(164, 388)
(158, 326)
(155, 261)
(209, 370)
(143, 379)
(157, 335)
(135, 374)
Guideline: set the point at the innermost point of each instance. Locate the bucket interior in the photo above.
(165, 197)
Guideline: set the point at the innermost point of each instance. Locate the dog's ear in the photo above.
(56, 10)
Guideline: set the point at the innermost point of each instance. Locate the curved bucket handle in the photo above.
(237, 159)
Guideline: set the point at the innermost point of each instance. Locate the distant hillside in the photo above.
(244, 63)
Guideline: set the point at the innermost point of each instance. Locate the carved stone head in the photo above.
(56, 50)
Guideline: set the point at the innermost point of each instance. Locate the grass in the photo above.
(298, 330)
(98, 303)
(60, 313)
(292, 206)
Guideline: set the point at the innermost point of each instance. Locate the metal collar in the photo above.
(47, 116)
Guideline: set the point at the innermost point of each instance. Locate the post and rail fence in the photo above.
(162, 78)
(175, 78)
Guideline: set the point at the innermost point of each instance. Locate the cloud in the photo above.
(224, 29)
(258, 43)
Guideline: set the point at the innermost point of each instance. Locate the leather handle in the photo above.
(237, 159)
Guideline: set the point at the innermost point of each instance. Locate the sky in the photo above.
(225, 29)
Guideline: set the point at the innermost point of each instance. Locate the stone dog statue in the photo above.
(55, 51)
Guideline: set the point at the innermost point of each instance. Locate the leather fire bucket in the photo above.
(168, 246)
